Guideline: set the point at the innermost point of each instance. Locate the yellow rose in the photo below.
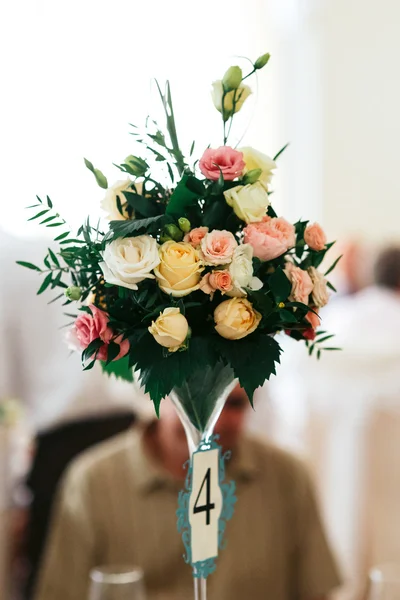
(236, 318)
(180, 268)
(170, 329)
(249, 202)
(257, 160)
(237, 96)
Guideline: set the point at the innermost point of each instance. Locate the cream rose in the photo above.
(128, 261)
(254, 159)
(237, 96)
(241, 271)
(319, 292)
(180, 268)
(170, 329)
(236, 318)
(109, 203)
(249, 202)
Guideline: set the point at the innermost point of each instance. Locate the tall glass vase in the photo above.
(199, 402)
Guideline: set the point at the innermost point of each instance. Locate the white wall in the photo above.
(341, 99)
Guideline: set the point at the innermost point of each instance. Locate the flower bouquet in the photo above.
(195, 274)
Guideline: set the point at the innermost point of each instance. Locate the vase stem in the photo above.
(200, 588)
(198, 403)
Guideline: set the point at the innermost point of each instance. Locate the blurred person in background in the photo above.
(65, 410)
(118, 505)
(344, 415)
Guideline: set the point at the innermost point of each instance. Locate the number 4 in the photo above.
(208, 506)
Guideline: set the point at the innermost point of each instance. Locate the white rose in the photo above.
(127, 261)
(241, 271)
(239, 95)
(249, 202)
(109, 203)
(257, 160)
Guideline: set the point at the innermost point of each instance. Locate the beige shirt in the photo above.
(117, 508)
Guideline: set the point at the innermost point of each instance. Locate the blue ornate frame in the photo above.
(228, 489)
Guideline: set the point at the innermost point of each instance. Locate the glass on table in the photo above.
(116, 583)
(384, 582)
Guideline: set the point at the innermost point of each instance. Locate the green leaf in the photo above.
(171, 173)
(100, 178)
(49, 202)
(281, 151)
(287, 316)
(262, 302)
(333, 265)
(48, 219)
(28, 265)
(333, 349)
(69, 241)
(90, 365)
(45, 284)
(112, 352)
(54, 258)
(252, 359)
(119, 368)
(62, 236)
(195, 185)
(142, 205)
(121, 229)
(280, 285)
(93, 348)
(182, 198)
(40, 214)
(301, 306)
(332, 287)
(327, 337)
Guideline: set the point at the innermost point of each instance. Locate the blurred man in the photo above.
(66, 410)
(118, 504)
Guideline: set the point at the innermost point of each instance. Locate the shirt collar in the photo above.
(149, 476)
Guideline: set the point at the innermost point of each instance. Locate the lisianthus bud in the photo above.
(232, 78)
(252, 176)
(135, 166)
(173, 232)
(73, 292)
(165, 238)
(184, 224)
(262, 61)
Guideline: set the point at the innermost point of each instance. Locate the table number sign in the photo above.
(205, 505)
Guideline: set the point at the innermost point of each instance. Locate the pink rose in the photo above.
(90, 327)
(195, 236)
(216, 280)
(314, 237)
(313, 319)
(301, 283)
(223, 160)
(270, 238)
(218, 247)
